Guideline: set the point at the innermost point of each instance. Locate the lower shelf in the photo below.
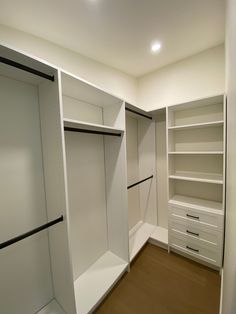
(138, 236)
(93, 285)
(52, 308)
(143, 232)
(160, 235)
(196, 203)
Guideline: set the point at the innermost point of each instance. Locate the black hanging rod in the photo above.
(140, 114)
(66, 128)
(132, 185)
(31, 232)
(26, 68)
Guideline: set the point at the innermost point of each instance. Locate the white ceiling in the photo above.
(119, 32)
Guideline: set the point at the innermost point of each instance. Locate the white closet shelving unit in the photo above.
(104, 174)
(196, 163)
(35, 272)
(141, 170)
(96, 175)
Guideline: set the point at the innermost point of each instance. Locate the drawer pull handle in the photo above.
(191, 216)
(193, 233)
(190, 248)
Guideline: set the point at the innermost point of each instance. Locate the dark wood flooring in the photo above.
(162, 283)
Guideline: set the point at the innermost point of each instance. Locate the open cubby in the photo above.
(202, 111)
(198, 139)
(205, 168)
(84, 103)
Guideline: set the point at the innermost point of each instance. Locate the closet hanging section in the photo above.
(26, 68)
(31, 232)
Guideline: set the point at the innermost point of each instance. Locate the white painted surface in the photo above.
(108, 78)
(134, 212)
(87, 199)
(197, 177)
(138, 236)
(90, 126)
(52, 131)
(160, 234)
(161, 171)
(120, 33)
(199, 76)
(95, 283)
(229, 284)
(52, 308)
(25, 274)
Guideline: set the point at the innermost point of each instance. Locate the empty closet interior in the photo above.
(94, 145)
(87, 180)
(145, 149)
(32, 185)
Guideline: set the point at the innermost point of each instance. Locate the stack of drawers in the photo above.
(198, 233)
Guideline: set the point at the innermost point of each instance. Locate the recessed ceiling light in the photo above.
(155, 47)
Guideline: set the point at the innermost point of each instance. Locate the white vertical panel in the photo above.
(116, 191)
(51, 125)
(161, 168)
(25, 266)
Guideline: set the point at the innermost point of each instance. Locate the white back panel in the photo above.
(87, 199)
(132, 170)
(24, 267)
(147, 167)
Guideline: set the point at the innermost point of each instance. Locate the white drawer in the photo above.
(195, 248)
(195, 230)
(210, 220)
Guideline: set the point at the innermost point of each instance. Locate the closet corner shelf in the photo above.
(197, 177)
(197, 125)
(197, 203)
(138, 237)
(160, 235)
(76, 124)
(95, 283)
(51, 308)
(196, 153)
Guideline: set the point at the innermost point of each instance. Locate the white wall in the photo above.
(105, 77)
(229, 282)
(195, 77)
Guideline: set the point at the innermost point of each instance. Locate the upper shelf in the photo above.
(197, 177)
(197, 125)
(80, 125)
(196, 153)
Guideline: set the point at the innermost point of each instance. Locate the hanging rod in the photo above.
(140, 114)
(70, 129)
(132, 185)
(31, 232)
(26, 68)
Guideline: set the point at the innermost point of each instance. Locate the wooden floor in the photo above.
(164, 283)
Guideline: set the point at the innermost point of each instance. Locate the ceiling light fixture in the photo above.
(155, 47)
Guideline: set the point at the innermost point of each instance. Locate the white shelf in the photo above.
(90, 126)
(197, 125)
(92, 286)
(51, 308)
(197, 153)
(138, 236)
(197, 203)
(160, 235)
(198, 177)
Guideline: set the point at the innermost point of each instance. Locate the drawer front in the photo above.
(195, 230)
(196, 249)
(209, 220)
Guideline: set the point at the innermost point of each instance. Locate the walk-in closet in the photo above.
(117, 157)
